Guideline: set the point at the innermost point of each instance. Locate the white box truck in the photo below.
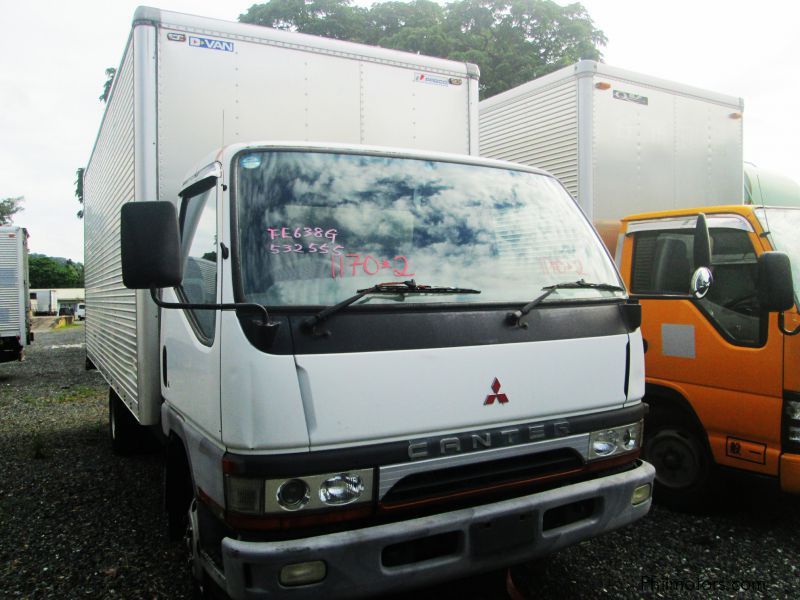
(621, 142)
(375, 368)
(15, 322)
(45, 302)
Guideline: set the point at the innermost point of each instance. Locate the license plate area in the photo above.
(503, 533)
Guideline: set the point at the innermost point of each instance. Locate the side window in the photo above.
(662, 265)
(732, 301)
(662, 262)
(199, 251)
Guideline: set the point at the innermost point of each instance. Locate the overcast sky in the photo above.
(55, 54)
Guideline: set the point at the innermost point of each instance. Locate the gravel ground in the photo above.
(78, 521)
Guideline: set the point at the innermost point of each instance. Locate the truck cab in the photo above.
(388, 363)
(722, 380)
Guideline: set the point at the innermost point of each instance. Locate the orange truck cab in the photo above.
(722, 376)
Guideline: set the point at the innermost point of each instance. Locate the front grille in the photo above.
(479, 477)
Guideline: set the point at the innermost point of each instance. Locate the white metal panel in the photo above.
(538, 128)
(197, 107)
(108, 183)
(233, 30)
(262, 407)
(397, 394)
(415, 109)
(146, 188)
(634, 158)
(13, 283)
(237, 88)
(193, 378)
(636, 379)
(712, 134)
(682, 148)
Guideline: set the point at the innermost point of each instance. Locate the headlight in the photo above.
(615, 440)
(316, 492)
(341, 489)
(790, 425)
(605, 443)
(794, 434)
(792, 409)
(257, 496)
(631, 437)
(293, 494)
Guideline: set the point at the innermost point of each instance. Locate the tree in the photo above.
(8, 208)
(79, 189)
(328, 18)
(110, 73)
(512, 41)
(49, 272)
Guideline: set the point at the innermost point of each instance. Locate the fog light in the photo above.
(340, 489)
(303, 573)
(604, 442)
(641, 494)
(293, 494)
(793, 434)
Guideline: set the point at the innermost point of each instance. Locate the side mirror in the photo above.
(150, 245)
(702, 243)
(701, 282)
(775, 287)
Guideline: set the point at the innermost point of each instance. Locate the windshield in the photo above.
(783, 225)
(314, 227)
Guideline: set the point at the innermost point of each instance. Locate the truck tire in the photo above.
(125, 432)
(178, 490)
(685, 470)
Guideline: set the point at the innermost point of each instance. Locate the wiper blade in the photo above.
(515, 316)
(391, 287)
(412, 287)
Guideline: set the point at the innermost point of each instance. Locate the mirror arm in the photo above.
(233, 306)
(782, 327)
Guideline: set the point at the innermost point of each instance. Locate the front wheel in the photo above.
(684, 467)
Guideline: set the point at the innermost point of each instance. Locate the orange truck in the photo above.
(722, 377)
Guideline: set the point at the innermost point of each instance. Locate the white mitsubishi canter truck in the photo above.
(374, 368)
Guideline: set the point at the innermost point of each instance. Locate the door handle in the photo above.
(164, 366)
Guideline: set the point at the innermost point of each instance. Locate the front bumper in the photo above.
(483, 538)
(790, 473)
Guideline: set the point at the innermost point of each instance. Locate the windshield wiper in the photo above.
(514, 317)
(392, 287)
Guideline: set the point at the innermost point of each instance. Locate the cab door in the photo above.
(719, 352)
(190, 338)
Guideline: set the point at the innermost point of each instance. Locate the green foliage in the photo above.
(79, 189)
(8, 208)
(512, 41)
(110, 73)
(328, 18)
(47, 272)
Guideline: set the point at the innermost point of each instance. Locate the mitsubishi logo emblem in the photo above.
(501, 398)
